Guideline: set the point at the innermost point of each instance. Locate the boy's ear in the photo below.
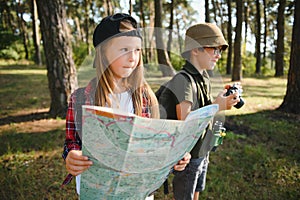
(195, 51)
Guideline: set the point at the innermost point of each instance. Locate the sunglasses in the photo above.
(217, 50)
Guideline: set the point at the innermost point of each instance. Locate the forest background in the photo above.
(54, 38)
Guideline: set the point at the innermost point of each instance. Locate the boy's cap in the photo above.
(204, 35)
(110, 26)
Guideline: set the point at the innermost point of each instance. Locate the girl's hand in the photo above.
(180, 166)
(76, 163)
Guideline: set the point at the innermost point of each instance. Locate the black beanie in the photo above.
(110, 26)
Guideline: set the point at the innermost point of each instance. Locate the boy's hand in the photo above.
(76, 163)
(226, 102)
(180, 166)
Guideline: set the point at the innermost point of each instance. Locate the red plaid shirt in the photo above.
(73, 140)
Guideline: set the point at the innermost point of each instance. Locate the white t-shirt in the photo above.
(122, 101)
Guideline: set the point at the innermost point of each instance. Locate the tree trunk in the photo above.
(61, 71)
(207, 18)
(246, 20)
(170, 38)
(291, 100)
(145, 34)
(222, 8)
(279, 52)
(162, 56)
(80, 33)
(229, 38)
(237, 60)
(22, 28)
(180, 41)
(214, 10)
(86, 25)
(257, 39)
(130, 7)
(109, 9)
(151, 49)
(35, 35)
(266, 30)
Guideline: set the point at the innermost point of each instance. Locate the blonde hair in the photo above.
(135, 83)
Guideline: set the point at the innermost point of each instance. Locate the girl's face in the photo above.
(123, 54)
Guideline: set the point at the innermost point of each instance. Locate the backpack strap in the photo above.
(194, 86)
(79, 101)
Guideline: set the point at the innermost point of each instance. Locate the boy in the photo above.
(204, 44)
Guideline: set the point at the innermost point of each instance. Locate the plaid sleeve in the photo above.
(72, 140)
(146, 112)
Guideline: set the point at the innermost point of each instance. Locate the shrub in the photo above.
(248, 64)
(80, 51)
(177, 61)
(7, 38)
(9, 53)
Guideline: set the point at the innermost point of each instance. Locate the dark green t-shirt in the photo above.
(180, 89)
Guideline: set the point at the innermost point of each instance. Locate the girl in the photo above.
(119, 84)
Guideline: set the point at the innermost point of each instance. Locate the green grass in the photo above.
(23, 87)
(259, 158)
